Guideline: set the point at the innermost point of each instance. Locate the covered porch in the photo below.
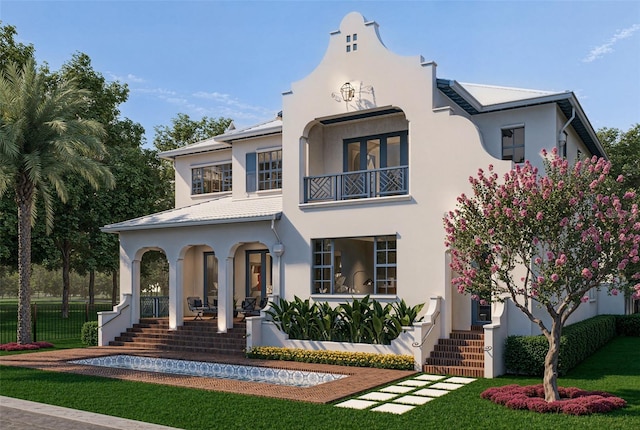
(220, 252)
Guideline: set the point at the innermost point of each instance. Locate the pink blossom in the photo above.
(595, 264)
(539, 216)
(629, 195)
(540, 279)
(555, 277)
(550, 255)
(586, 273)
(560, 261)
(614, 292)
(564, 221)
(620, 178)
(584, 299)
(538, 260)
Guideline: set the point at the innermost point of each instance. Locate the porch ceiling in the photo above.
(223, 210)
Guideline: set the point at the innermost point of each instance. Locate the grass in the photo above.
(614, 368)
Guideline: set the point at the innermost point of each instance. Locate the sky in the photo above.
(234, 59)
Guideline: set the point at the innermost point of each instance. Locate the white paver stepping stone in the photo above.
(446, 386)
(393, 408)
(413, 400)
(356, 404)
(429, 377)
(460, 380)
(414, 383)
(397, 389)
(430, 392)
(380, 397)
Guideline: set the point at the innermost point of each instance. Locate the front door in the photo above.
(258, 274)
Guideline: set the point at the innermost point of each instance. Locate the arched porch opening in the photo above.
(154, 284)
(253, 273)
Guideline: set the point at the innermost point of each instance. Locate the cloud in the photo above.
(606, 48)
(129, 78)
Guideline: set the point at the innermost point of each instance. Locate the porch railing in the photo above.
(154, 306)
(362, 184)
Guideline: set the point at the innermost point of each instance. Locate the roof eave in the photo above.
(114, 228)
(229, 138)
(189, 150)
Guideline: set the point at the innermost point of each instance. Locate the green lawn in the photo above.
(615, 368)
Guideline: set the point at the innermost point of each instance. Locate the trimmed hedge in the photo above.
(341, 358)
(524, 355)
(628, 325)
(89, 333)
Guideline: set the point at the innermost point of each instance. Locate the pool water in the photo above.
(293, 378)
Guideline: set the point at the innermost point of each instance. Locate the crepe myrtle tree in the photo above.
(544, 241)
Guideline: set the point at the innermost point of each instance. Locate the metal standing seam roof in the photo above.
(478, 99)
(223, 210)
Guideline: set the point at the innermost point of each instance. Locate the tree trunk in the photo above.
(92, 287)
(550, 379)
(65, 250)
(24, 196)
(114, 287)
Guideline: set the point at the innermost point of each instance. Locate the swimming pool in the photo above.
(293, 378)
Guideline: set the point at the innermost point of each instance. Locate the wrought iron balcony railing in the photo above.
(362, 184)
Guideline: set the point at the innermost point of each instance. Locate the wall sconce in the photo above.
(347, 92)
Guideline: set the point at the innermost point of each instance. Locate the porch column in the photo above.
(176, 308)
(276, 275)
(225, 296)
(135, 290)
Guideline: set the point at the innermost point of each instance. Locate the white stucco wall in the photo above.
(444, 150)
(183, 166)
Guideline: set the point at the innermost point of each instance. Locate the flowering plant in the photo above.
(545, 241)
(572, 401)
(15, 346)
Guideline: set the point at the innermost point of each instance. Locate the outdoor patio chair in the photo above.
(196, 305)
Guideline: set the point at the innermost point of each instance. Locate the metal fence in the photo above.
(154, 306)
(48, 324)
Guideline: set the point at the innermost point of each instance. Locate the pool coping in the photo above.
(359, 379)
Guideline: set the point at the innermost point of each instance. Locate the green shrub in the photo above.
(360, 321)
(524, 355)
(342, 358)
(89, 333)
(628, 325)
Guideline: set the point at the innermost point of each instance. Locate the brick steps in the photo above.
(462, 354)
(193, 336)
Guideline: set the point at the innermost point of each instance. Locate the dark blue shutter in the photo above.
(252, 179)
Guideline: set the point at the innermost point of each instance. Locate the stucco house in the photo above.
(343, 195)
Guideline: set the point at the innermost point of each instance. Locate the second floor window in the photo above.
(270, 170)
(513, 144)
(211, 179)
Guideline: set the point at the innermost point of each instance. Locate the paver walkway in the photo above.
(17, 414)
(406, 395)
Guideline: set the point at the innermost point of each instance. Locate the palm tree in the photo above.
(42, 139)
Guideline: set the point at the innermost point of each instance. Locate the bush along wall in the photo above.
(360, 321)
(89, 333)
(628, 325)
(524, 355)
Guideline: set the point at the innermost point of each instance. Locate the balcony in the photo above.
(362, 184)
